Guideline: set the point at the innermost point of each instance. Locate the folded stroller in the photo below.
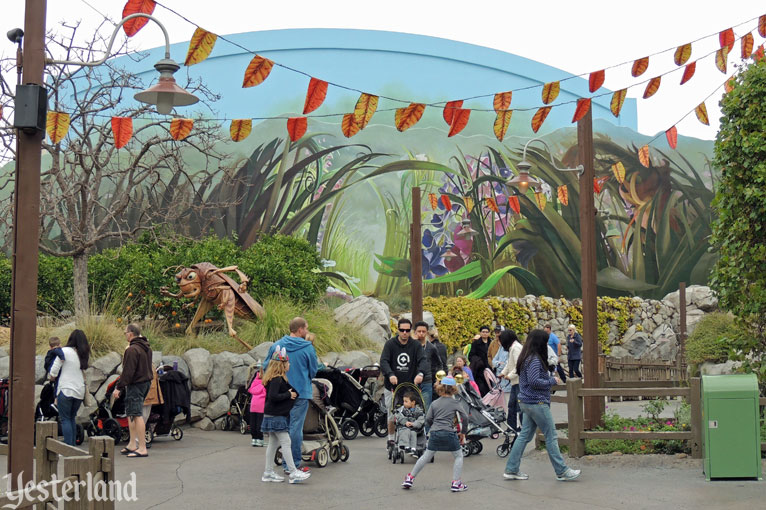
(176, 393)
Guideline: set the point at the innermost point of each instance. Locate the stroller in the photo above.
(495, 396)
(484, 421)
(45, 410)
(322, 440)
(109, 419)
(238, 416)
(395, 452)
(174, 386)
(356, 410)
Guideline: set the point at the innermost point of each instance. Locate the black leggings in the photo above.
(574, 368)
(255, 425)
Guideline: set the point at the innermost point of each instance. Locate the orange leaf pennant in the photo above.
(618, 98)
(468, 201)
(132, 26)
(583, 105)
(315, 95)
(446, 202)
(502, 101)
(408, 116)
(682, 54)
(240, 129)
(639, 67)
(672, 136)
(296, 127)
(459, 121)
(689, 72)
(643, 156)
(492, 205)
(200, 46)
(502, 121)
(513, 203)
(551, 92)
(180, 128)
(563, 194)
(539, 117)
(747, 45)
(432, 198)
(758, 53)
(762, 25)
(701, 112)
(449, 110)
(595, 80)
(122, 129)
(349, 126)
(541, 199)
(598, 183)
(652, 87)
(729, 85)
(364, 109)
(720, 59)
(726, 38)
(57, 126)
(257, 70)
(618, 169)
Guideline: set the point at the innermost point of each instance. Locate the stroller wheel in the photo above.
(278, 456)
(349, 429)
(113, 429)
(467, 450)
(242, 427)
(344, 453)
(477, 447)
(322, 458)
(124, 434)
(503, 450)
(335, 453)
(368, 427)
(177, 433)
(80, 435)
(381, 425)
(149, 435)
(495, 435)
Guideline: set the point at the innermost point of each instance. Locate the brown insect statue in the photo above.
(214, 288)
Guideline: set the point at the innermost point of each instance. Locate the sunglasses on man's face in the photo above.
(404, 330)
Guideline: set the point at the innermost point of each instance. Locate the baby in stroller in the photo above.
(410, 421)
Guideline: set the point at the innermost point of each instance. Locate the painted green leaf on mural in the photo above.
(529, 281)
(471, 270)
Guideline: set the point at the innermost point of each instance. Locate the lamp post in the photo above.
(29, 121)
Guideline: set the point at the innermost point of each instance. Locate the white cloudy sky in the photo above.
(578, 37)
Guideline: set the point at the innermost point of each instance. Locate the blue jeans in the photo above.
(297, 417)
(536, 416)
(514, 418)
(427, 389)
(68, 407)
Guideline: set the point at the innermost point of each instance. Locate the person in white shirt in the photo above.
(71, 383)
(509, 373)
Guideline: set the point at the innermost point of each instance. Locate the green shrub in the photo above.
(54, 285)
(709, 341)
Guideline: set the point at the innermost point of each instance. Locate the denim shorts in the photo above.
(443, 441)
(275, 424)
(135, 394)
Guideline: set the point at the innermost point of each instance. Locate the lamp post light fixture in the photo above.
(524, 181)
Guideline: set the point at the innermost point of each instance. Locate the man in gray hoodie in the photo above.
(135, 380)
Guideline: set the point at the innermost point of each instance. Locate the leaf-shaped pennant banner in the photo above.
(449, 110)
(747, 45)
(652, 87)
(513, 203)
(433, 199)
(492, 205)
(720, 59)
(726, 38)
(459, 121)
(132, 26)
(296, 127)
(122, 129)
(672, 136)
(618, 98)
(180, 128)
(689, 72)
(446, 202)
(315, 95)
(502, 120)
(551, 92)
(596, 80)
(618, 169)
(57, 126)
(598, 183)
(539, 117)
(639, 67)
(200, 46)
(468, 201)
(758, 53)
(541, 200)
(762, 25)
(583, 105)
(643, 156)
(408, 116)
(729, 85)
(502, 101)
(701, 112)
(349, 126)
(257, 70)
(364, 109)
(563, 194)
(240, 129)
(682, 54)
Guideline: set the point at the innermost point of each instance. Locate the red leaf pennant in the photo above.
(689, 72)
(639, 67)
(446, 202)
(492, 205)
(408, 116)
(296, 127)
(459, 121)
(726, 38)
(539, 117)
(315, 95)
(672, 136)
(181, 128)
(132, 26)
(349, 125)
(513, 203)
(596, 80)
(762, 25)
(450, 109)
(122, 129)
(583, 105)
(598, 183)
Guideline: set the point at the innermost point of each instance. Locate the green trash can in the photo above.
(731, 423)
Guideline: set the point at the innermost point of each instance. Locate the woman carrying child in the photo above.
(280, 397)
(445, 418)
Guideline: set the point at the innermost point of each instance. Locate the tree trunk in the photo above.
(80, 273)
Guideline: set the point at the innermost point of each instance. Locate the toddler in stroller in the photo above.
(410, 421)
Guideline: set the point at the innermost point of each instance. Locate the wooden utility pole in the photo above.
(416, 258)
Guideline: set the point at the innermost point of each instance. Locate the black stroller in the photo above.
(484, 421)
(355, 409)
(45, 410)
(176, 394)
(238, 416)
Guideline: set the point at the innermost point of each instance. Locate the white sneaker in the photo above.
(569, 474)
(516, 476)
(271, 476)
(298, 476)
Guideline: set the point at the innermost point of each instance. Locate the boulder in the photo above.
(218, 407)
(428, 318)
(156, 358)
(196, 413)
(239, 376)
(354, 359)
(637, 344)
(702, 297)
(94, 378)
(101, 393)
(84, 412)
(727, 367)
(221, 377)
(331, 359)
(5, 367)
(183, 367)
(235, 360)
(693, 317)
(107, 363)
(40, 372)
(664, 331)
(619, 351)
(200, 367)
(247, 360)
(204, 424)
(260, 351)
(664, 349)
(232, 393)
(200, 398)
(368, 315)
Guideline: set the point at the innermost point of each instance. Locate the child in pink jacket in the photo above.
(257, 401)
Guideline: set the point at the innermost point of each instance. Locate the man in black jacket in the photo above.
(402, 360)
(432, 360)
(136, 377)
